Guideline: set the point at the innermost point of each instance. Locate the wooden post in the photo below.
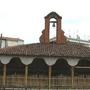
(26, 75)
(72, 76)
(4, 74)
(50, 73)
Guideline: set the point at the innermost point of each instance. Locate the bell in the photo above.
(53, 25)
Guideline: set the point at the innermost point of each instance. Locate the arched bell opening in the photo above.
(61, 67)
(38, 67)
(52, 29)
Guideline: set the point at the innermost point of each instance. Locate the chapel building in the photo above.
(46, 65)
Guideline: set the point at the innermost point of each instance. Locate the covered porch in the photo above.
(44, 73)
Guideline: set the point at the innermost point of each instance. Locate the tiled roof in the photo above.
(63, 50)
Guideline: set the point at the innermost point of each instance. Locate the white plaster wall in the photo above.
(12, 43)
(3, 44)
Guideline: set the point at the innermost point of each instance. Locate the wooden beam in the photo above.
(50, 73)
(87, 67)
(26, 74)
(4, 74)
(72, 75)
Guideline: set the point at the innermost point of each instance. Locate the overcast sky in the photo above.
(25, 18)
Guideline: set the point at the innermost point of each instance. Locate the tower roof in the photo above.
(53, 15)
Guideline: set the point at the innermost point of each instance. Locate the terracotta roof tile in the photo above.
(62, 50)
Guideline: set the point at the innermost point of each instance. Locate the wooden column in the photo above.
(50, 73)
(72, 76)
(26, 74)
(4, 74)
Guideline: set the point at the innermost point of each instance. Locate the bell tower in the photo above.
(60, 38)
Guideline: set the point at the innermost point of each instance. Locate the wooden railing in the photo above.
(42, 81)
(82, 81)
(15, 81)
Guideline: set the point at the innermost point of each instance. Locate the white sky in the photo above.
(25, 18)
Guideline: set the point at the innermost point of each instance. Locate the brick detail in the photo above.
(60, 38)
